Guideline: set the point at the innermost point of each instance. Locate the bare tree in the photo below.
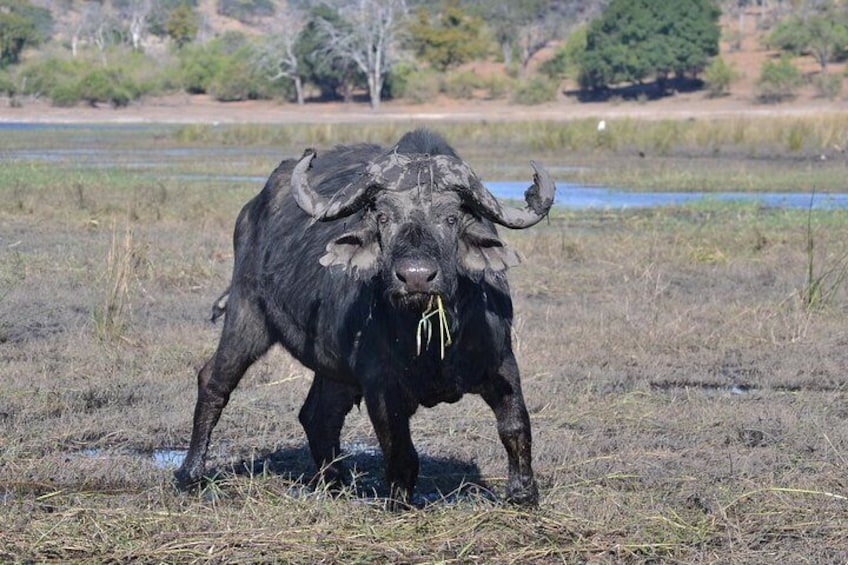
(369, 37)
(277, 55)
(135, 13)
(93, 26)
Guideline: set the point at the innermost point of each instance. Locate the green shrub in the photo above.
(422, 86)
(461, 84)
(566, 60)
(496, 86)
(537, 90)
(828, 86)
(100, 86)
(778, 81)
(397, 80)
(65, 95)
(198, 66)
(718, 75)
(239, 80)
(40, 76)
(7, 84)
(143, 75)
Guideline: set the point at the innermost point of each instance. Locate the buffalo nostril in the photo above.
(416, 275)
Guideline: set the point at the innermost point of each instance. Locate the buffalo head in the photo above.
(423, 220)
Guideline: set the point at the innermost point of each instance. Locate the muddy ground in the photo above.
(685, 376)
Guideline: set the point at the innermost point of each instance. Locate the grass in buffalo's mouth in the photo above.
(435, 308)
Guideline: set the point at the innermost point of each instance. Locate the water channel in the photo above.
(87, 152)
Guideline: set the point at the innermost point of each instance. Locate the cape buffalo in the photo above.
(338, 259)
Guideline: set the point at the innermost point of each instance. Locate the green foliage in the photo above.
(42, 76)
(718, 75)
(239, 79)
(227, 69)
(182, 24)
(455, 38)
(198, 66)
(566, 60)
(823, 34)
(537, 90)
(333, 75)
(638, 39)
(101, 86)
(245, 10)
(158, 17)
(21, 25)
(397, 81)
(7, 84)
(778, 81)
(461, 84)
(496, 86)
(67, 81)
(421, 86)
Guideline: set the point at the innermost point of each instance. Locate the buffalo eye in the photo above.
(382, 218)
(451, 220)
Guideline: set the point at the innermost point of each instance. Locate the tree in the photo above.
(638, 39)
(276, 57)
(182, 24)
(822, 34)
(333, 74)
(19, 28)
(523, 27)
(135, 14)
(565, 61)
(368, 38)
(778, 81)
(453, 39)
(718, 75)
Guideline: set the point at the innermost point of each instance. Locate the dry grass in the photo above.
(687, 406)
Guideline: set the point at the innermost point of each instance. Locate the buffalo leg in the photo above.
(391, 424)
(503, 395)
(322, 416)
(243, 340)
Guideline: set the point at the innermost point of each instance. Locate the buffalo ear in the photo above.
(356, 250)
(480, 250)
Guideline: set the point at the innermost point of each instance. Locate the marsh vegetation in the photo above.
(685, 367)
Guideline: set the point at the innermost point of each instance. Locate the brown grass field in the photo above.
(685, 371)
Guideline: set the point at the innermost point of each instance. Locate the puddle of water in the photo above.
(160, 458)
(168, 458)
(707, 388)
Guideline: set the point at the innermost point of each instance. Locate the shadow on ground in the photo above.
(440, 479)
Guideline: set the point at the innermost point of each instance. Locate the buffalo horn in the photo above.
(539, 197)
(344, 203)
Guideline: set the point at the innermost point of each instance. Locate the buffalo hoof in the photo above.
(184, 480)
(333, 479)
(523, 493)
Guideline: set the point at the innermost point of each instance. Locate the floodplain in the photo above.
(685, 367)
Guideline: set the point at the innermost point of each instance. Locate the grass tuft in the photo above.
(113, 313)
(822, 282)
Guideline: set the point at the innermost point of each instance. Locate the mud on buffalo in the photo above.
(381, 270)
